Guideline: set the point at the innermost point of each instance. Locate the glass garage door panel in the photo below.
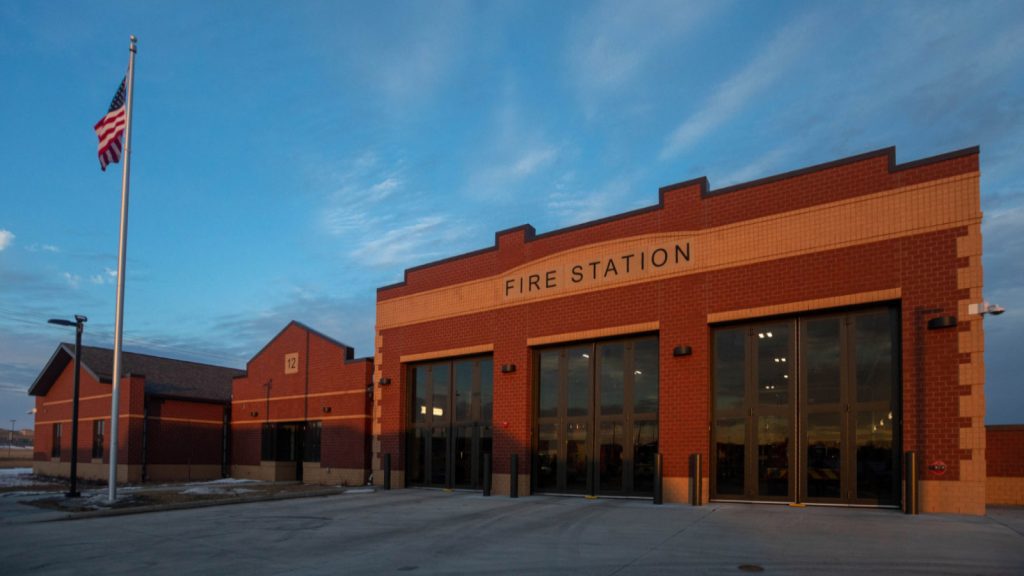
(450, 422)
(730, 455)
(547, 457)
(438, 456)
(597, 417)
(645, 450)
(610, 456)
(576, 457)
(824, 408)
(773, 456)
(875, 462)
(824, 455)
(873, 429)
(820, 426)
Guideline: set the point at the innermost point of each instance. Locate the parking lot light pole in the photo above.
(79, 325)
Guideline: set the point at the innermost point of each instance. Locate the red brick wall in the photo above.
(327, 386)
(682, 207)
(923, 267)
(1004, 451)
(94, 404)
(184, 432)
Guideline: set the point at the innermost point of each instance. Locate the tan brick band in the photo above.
(299, 396)
(1005, 491)
(805, 305)
(911, 210)
(449, 353)
(594, 334)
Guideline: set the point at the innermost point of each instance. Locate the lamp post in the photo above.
(11, 442)
(79, 325)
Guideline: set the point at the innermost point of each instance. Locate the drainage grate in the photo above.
(750, 568)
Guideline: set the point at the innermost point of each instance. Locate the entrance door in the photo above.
(597, 418)
(450, 422)
(283, 442)
(805, 409)
(849, 399)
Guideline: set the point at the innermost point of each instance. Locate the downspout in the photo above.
(305, 414)
(145, 440)
(225, 443)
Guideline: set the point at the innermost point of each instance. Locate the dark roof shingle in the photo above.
(164, 376)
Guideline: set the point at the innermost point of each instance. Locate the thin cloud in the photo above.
(43, 248)
(518, 150)
(615, 42)
(73, 280)
(409, 59)
(424, 239)
(347, 319)
(518, 165)
(355, 204)
(736, 93)
(766, 165)
(570, 205)
(6, 238)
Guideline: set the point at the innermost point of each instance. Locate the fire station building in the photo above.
(173, 423)
(301, 411)
(785, 340)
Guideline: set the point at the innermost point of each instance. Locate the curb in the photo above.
(199, 504)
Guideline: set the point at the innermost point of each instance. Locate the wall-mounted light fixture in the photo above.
(985, 307)
(327, 409)
(254, 413)
(508, 368)
(682, 351)
(941, 322)
(385, 381)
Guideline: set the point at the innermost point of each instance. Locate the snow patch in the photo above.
(14, 477)
(215, 490)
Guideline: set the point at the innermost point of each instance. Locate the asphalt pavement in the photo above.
(435, 532)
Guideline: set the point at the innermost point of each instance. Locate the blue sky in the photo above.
(289, 158)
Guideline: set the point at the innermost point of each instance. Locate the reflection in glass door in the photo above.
(450, 422)
(753, 412)
(850, 399)
(839, 400)
(597, 418)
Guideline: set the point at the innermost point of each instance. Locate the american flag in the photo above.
(109, 130)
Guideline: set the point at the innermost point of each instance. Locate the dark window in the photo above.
(267, 443)
(312, 445)
(97, 439)
(55, 449)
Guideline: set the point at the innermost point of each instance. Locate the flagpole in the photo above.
(115, 395)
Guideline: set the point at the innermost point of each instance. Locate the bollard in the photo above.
(910, 483)
(657, 479)
(487, 474)
(696, 480)
(387, 471)
(514, 477)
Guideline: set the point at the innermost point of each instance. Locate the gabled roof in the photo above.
(348, 350)
(164, 376)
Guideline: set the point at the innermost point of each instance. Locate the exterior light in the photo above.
(79, 325)
(985, 307)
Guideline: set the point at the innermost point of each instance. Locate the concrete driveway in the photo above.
(434, 532)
